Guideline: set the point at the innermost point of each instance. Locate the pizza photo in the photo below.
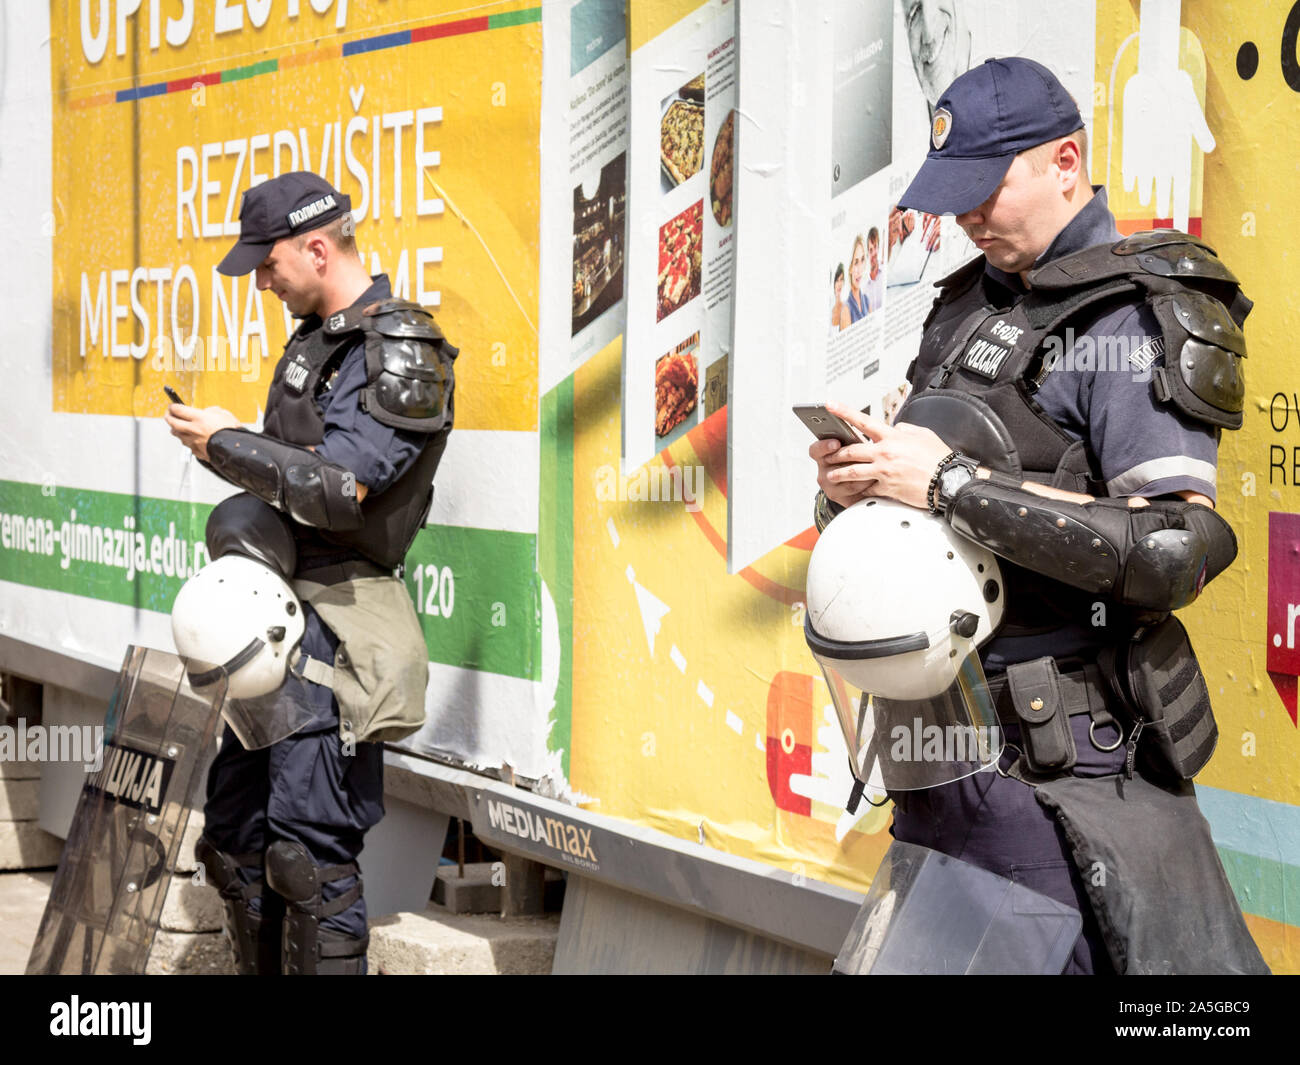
(681, 140)
(680, 253)
(720, 171)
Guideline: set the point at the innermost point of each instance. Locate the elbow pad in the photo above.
(293, 479)
(1157, 557)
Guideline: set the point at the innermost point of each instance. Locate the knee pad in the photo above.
(306, 948)
(254, 937)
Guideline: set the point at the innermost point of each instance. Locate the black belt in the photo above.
(1083, 691)
(353, 570)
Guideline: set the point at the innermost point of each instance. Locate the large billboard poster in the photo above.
(428, 117)
(614, 615)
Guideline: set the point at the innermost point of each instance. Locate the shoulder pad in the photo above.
(401, 318)
(1202, 375)
(1162, 252)
(410, 380)
(1147, 239)
(1169, 253)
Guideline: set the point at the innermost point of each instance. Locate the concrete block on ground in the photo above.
(474, 892)
(20, 800)
(524, 893)
(25, 845)
(190, 953)
(438, 941)
(191, 908)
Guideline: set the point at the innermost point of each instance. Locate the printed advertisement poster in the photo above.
(680, 242)
(158, 124)
(584, 179)
(820, 237)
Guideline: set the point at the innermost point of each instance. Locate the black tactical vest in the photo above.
(293, 414)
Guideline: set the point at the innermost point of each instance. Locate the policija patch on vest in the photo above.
(989, 348)
(296, 373)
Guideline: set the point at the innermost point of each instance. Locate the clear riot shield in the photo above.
(927, 913)
(116, 867)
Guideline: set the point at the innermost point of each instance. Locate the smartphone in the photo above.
(825, 425)
(173, 395)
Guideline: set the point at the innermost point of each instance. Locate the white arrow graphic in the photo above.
(653, 609)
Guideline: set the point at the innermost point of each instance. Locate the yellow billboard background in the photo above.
(696, 708)
(118, 184)
(701, 731)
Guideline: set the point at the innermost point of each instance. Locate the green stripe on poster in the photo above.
(515, 18)
(132, 550)
(555, 548)
(477, 596)
(476, 591)
(267, 66)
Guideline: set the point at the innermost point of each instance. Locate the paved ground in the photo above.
(22, 901)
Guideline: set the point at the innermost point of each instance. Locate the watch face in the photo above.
(951, 480)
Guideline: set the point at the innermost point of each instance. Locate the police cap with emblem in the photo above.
(982, 121)
(292, 203)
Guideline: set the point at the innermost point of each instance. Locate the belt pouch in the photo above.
(1160, 681)
(1046, 740)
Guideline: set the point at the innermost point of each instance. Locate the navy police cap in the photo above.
(983, 121)
(285, 206)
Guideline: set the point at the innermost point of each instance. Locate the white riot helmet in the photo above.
(238, 618)
(897, 607)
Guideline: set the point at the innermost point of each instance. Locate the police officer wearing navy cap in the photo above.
(357, 418)
(1065, 409)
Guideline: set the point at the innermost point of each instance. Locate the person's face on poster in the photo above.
(839, 288)
(855, 267)
(939, 42)
(873, 251)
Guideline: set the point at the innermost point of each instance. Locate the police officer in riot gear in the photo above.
(1065, 409)
(357, 418)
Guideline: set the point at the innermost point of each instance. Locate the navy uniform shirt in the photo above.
(1099, 390)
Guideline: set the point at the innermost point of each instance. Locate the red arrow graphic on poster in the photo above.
(1283, 660)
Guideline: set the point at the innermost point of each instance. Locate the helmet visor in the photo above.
(901, 742)
(266, 719)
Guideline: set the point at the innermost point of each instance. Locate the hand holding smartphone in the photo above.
(827, 426)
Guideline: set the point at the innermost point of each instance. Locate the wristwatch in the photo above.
(951, 475)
